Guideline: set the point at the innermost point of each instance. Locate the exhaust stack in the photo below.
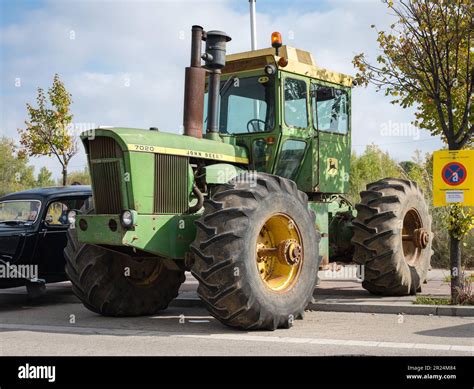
(194, 87)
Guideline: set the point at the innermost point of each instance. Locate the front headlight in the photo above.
(71, 217)
(126, 218)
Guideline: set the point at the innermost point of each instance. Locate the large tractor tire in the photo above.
(256, 253)
(392, 237)
(114, 284)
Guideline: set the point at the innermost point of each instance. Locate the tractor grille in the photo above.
(103, 147)
(171, 184)
(105, 155)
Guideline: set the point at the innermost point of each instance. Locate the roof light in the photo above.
(276, 39)
(276, 42)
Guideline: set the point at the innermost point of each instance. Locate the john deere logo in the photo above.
(332, 166)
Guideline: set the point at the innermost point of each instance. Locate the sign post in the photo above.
(453, 177)
(453, 183)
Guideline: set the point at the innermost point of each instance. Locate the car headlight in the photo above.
(71, 217)
(126, 218)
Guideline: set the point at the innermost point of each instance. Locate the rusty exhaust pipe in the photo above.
(194, 88)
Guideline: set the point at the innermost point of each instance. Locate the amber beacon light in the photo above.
(276, 42)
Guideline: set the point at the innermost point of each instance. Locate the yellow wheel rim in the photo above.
(279, 253)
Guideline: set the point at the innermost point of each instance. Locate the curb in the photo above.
(435, 310)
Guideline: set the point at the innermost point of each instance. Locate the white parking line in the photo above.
(338, 342)
(236, 337)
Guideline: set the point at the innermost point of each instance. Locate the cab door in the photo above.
(297, 150)
(330, 106)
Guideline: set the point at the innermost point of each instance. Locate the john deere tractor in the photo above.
(251, 207)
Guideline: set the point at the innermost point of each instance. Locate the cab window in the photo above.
(291, 156)
(296, 112)
(247, 105)
(330, 108)
(261, 152)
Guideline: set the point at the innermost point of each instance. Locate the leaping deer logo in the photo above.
(332, 166)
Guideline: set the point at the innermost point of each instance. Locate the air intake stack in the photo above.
(195, 76)
(215, 60)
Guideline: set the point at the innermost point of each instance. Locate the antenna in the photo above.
(253, 24)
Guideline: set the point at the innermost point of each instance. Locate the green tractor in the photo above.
(252, 207)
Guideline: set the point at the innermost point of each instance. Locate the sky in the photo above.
(123, 61)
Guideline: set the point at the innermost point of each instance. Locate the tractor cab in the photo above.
(292, 116)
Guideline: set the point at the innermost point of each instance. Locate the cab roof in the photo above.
(299, 62)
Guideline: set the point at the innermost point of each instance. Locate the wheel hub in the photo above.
(279, 252)
(415, 237)
(420, 238)
(291, 251)
(141, 272)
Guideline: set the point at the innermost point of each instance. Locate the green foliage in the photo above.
(45, 178)
(47, 129)
(374, 164)
(427, 61)
(459, 221)
(428, 300)
(15, 173)
(79, 177)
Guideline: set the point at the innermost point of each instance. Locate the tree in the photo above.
(45, 178)
(426, 61)
(47, 130)
(79, 177)
(15, 174)
(373, 165)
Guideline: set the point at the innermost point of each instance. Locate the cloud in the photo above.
(124, 61)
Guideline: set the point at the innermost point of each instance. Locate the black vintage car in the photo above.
(33, 226)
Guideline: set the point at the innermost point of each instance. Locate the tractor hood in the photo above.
(149, 171)
(156, 142)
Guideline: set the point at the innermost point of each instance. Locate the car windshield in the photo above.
(247, 105)
(19, 211)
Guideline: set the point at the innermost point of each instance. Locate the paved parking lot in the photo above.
(59, 325)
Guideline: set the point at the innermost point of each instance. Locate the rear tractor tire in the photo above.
(392, 237)
(256, 253)
(115, 284)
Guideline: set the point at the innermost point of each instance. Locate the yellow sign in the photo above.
(186, 153)
(453, 177)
